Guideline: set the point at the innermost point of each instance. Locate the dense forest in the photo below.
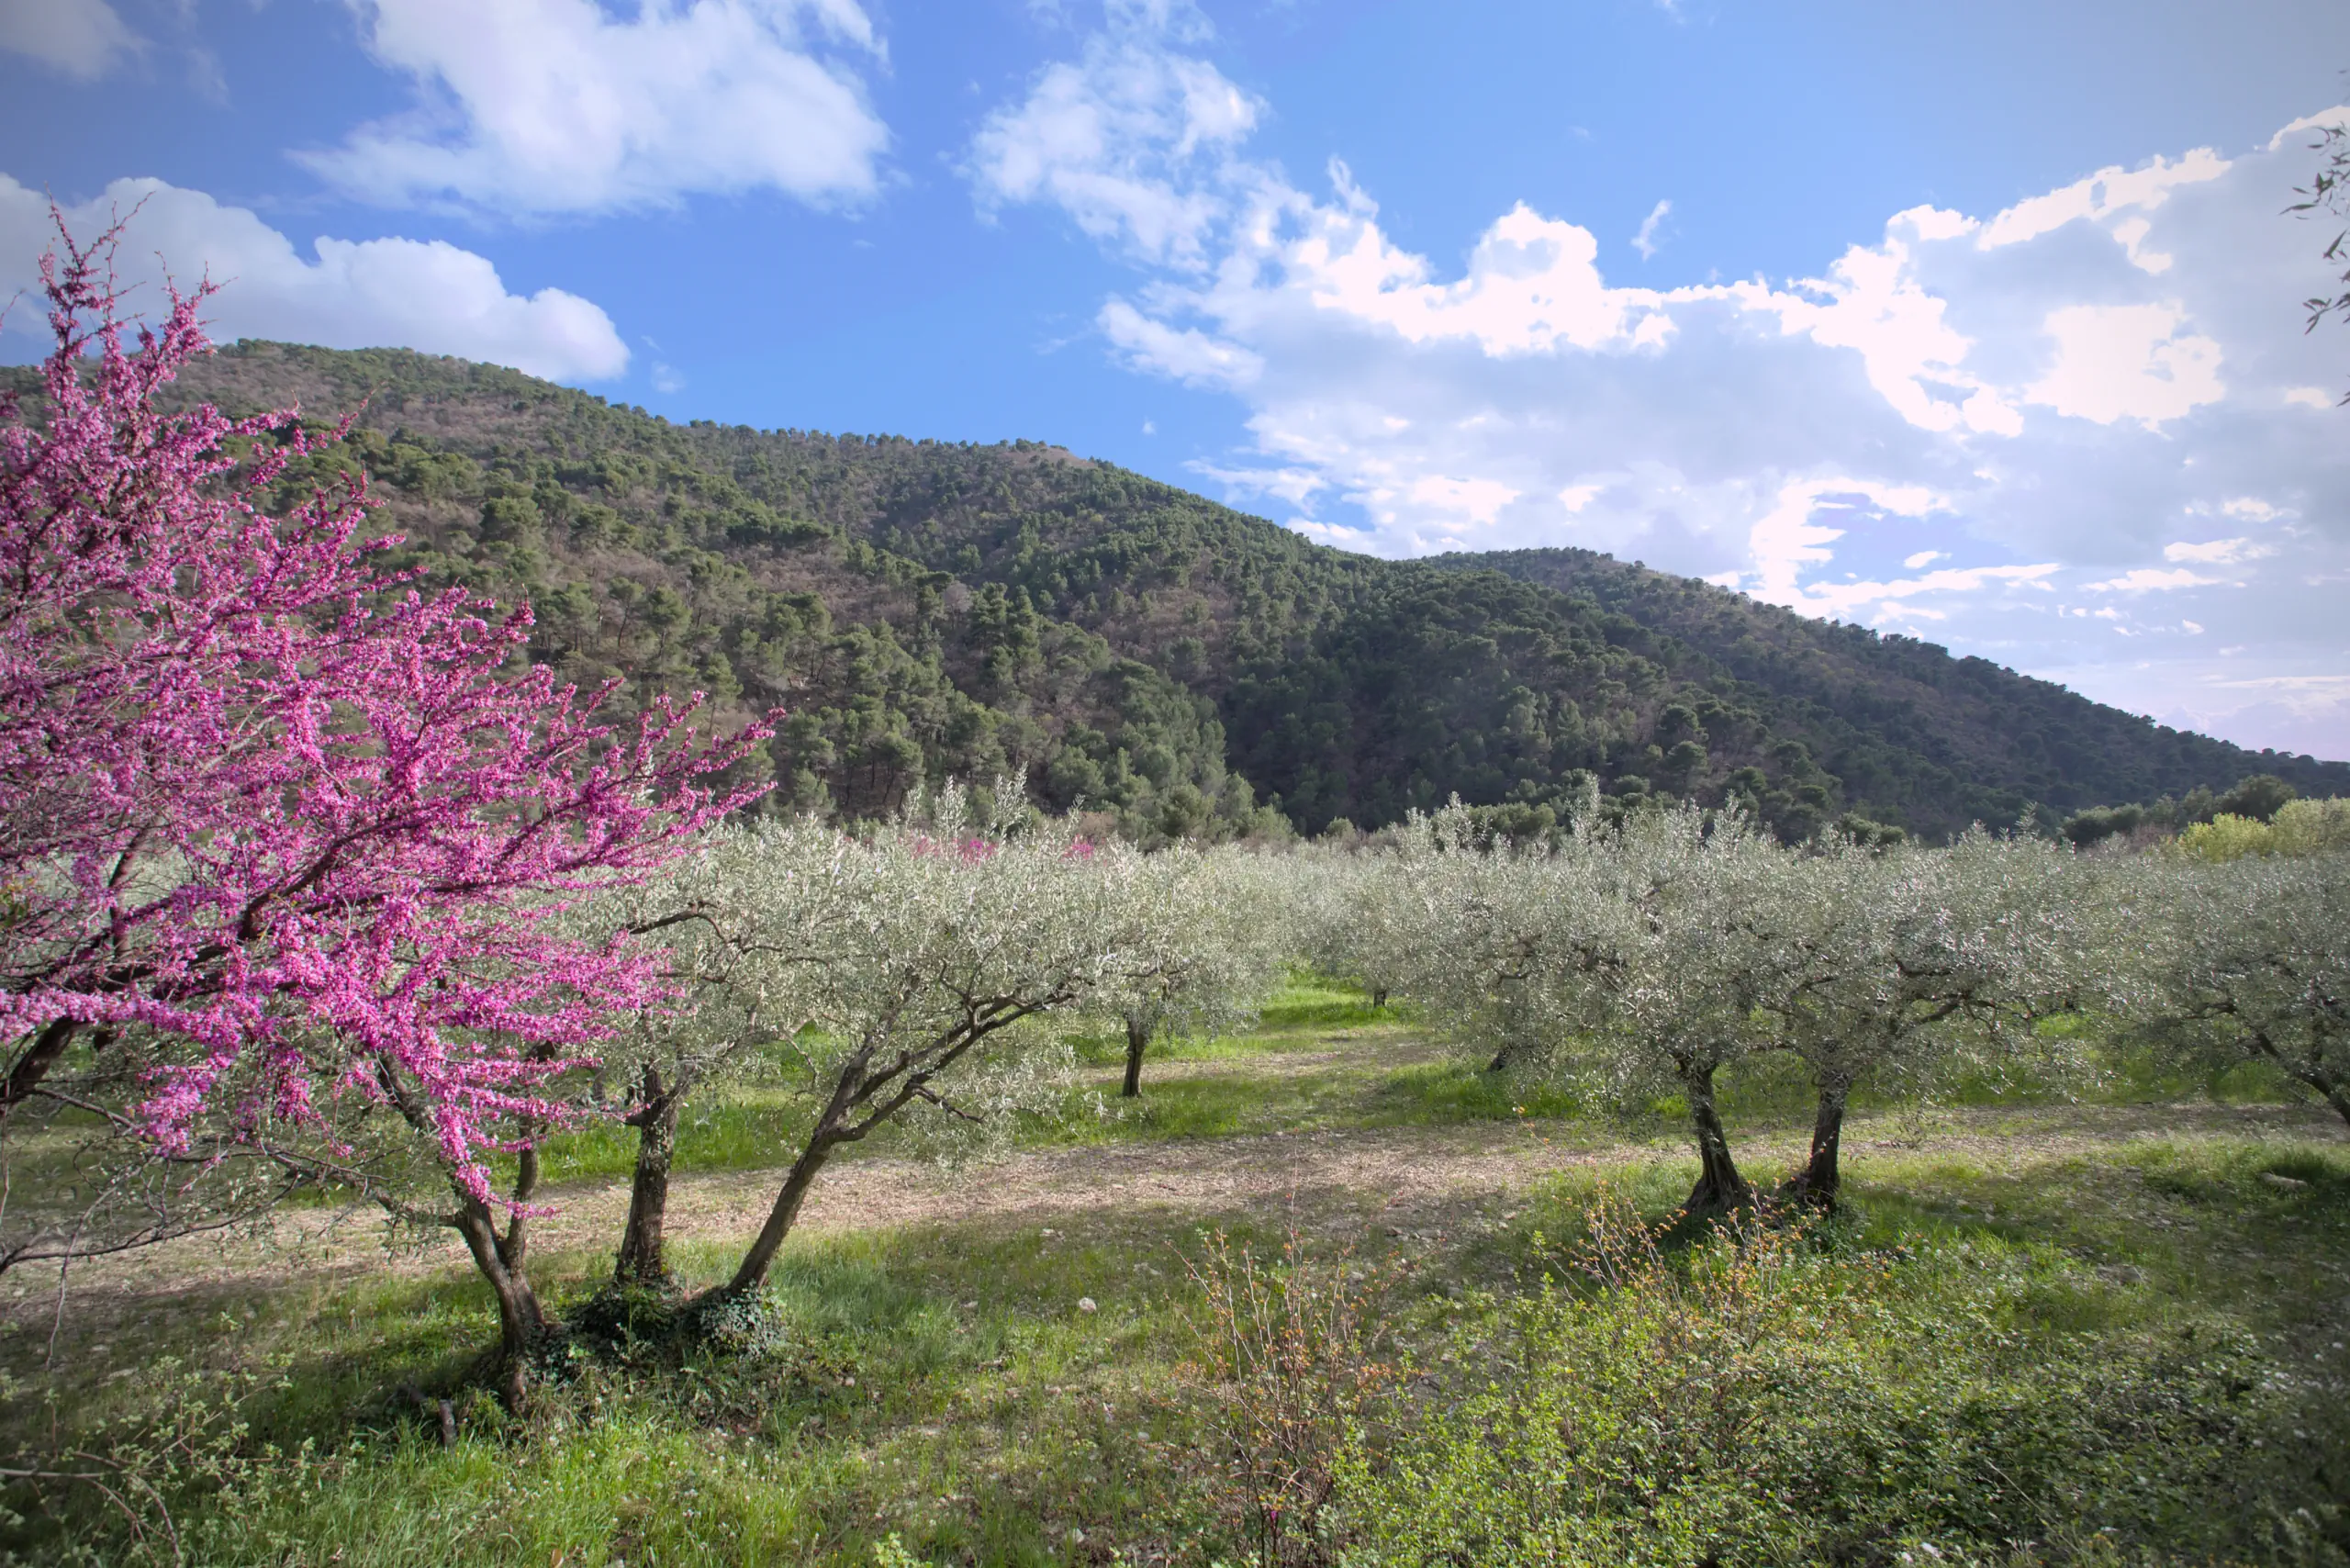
(925, 609)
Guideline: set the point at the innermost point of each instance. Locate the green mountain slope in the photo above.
(922, 608)
(1905, 726)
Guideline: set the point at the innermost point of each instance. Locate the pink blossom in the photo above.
(255, 794)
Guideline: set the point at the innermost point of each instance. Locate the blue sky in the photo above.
(1978, 322)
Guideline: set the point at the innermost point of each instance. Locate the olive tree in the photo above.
(1904, 964)
(2250, 960)
(1475, 928)
(1352, 913)
(750, 923)
(1632, 957)
(1710, 901)
(947, 947)
(1214, 952)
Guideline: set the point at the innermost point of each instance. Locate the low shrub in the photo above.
(1768, 1394)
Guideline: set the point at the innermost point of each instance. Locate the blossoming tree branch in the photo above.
(276, 829)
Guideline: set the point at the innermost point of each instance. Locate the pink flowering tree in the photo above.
(277, 834)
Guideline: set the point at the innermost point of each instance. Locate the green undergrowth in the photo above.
(2071, 1353)
(1857, 1393)
(2035, 1333)
(1321, 1058)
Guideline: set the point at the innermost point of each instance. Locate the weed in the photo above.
(1287, 1359)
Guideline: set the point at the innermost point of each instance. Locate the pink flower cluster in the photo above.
(269, 817)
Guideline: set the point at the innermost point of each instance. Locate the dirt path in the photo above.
(1398, 1175)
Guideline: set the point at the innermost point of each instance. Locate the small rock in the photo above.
(1076, 1536)
(1086, 1303)
(2283, 1183)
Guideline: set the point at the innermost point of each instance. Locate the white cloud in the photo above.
(2127, 362)
(2151, 579)
(2217, 552)
(1128, 141)
(372, 292)
(1478, 502)
(1645, 242)
(2015, 407)
(2101, 196)
(557, 105)
(1298, 486)
(1188, 355)
(80, 39)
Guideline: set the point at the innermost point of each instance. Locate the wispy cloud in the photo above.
(1646, 242)
(83, 40)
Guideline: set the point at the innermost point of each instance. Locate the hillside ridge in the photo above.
(926, 608)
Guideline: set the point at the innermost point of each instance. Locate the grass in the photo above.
(942, 1384)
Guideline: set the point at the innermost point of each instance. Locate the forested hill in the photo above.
(926, 608)
(1871, 698)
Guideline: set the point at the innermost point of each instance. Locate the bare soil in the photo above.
(1336, 1182)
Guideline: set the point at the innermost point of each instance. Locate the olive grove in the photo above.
(310, 880)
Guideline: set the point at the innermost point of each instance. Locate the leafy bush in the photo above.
(1762, 1397)
(2299, 827)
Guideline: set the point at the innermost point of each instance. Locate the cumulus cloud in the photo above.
(1971, 422)
(2127, 362)
(1132, 141)
(372, 292)
(80, 39)
(535, 107)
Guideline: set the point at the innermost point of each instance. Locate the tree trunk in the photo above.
(1379, 996)
(1137, 1038)
(796, 1182)
(822, 1140)
(33, 1065)
(521, 1325)
(2336, 1093)
(1818, 1182)
(2309, 1073)
(1720, 1186)
(642, 1259)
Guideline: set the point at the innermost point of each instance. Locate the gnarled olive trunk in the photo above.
(1379, 996)
(643, 1260)
(1818, 1182)
(1720, 1186)
(1138, 1041)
